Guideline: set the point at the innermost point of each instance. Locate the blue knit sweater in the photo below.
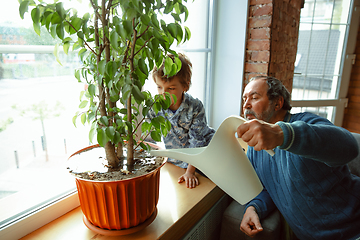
(308, 180)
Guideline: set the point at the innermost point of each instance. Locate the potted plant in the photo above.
(118, 43)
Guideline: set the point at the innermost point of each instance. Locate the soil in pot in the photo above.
(91, 164)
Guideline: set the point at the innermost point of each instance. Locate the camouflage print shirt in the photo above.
(189, 128)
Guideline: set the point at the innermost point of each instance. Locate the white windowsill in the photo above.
(39, 218)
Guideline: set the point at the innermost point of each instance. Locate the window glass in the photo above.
(322, 31)
(39, 98)
(325, 112)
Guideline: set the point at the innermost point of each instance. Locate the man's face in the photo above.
(256, 104)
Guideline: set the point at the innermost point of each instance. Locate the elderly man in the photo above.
(307, 179)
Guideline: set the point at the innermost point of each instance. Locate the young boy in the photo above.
(189, 127)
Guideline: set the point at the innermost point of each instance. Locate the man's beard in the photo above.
(264, 116)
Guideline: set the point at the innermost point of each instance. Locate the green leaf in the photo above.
(66, 47)
(114, 98)
(168, 125)
(116, 20)
(156, 136)
(104, 120)
(60, 10)
(111, 68)
(114, 37)
(48, 21)
(168, 66)
(101, 66)
(92, 89)
(60, 31)
(139, 97)
(145, 19)
(174, 98)
(179, 34)
(35, 15)
(169, 7)
(82, 53)
(173, 70)
(157, 107)
(101, 137)
(91, 116)
(83, 118)
(117, 138)
(142, 66)
(92, 132)
(145, 111)
(176, 17)
(77, 75)
(121, 31)
(74, 119)
(55, 19)
(127, 26)
(80, 35)
(23, 8)
(143, 146)
(178, 64)
(56, 53)
(53, 31)
(75, 23)
(164, 131)
(186, 13)
(172, 29)
(155, 122)
(187, 34)
(110, 132)
(86, 17)
(83, 104)
(154, 21)
(145, 126)
(37, 28)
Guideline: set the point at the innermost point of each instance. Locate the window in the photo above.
(320, 62)
(38, 95)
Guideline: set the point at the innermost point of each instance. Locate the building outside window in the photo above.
(323, 37)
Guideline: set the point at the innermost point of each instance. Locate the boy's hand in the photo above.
(191, 181)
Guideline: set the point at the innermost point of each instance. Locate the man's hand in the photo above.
(191, 181)
(261, 135)
(250, 223)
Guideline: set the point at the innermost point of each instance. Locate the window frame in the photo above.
(340, 102)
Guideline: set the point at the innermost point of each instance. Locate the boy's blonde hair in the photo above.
(184, 74)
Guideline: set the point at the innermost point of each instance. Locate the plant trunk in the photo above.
(109, 147)
(130, 144)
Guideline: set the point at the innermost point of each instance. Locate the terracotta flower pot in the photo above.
(121, 204)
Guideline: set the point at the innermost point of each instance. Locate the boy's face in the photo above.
(173, 87)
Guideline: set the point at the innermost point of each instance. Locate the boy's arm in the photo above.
(200, 133)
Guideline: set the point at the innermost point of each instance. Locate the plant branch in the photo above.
(96, 8)
(142, 47)
(142, 140)
(81, 38)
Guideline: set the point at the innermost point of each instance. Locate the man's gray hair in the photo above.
(276, 89)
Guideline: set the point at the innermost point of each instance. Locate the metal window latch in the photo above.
(352, 57)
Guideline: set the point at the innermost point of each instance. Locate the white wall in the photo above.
(228, 59)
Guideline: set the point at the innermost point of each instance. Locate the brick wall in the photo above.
(271, 47)
(352, 112)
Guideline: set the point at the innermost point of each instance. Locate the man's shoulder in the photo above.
(308, 117)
